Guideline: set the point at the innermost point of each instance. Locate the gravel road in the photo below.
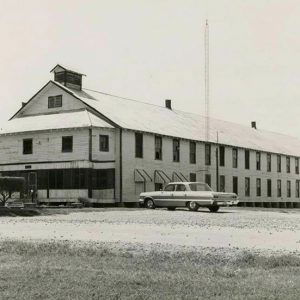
(256, 230)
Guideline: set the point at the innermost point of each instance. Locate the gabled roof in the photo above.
(59, 67)
(79, 119)
(156, 119)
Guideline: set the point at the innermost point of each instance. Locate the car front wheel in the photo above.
(192, 205)
(214, 208)
(150, 204)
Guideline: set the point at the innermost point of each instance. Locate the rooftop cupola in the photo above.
(67, 77)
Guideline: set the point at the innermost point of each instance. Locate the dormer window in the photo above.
(55, 101)
(67, 77)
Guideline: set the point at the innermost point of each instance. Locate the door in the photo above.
(32, 185)
(166, 196)
(180, 196)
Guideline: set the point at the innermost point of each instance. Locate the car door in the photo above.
(166, 196)
(179, 198)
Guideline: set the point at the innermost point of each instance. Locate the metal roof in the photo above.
(78, 119)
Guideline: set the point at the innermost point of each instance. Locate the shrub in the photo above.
(84, 201)
(9, 185)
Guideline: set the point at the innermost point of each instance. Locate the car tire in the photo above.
(149, 203)
(171, 208)
(192, 206)
(214, 208)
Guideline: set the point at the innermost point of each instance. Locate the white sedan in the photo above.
(188, 194)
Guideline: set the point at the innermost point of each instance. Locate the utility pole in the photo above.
(217, 162)
(206, 78)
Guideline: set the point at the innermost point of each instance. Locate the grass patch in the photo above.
(62, 271)
(22, 212)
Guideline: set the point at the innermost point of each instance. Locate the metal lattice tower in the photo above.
(206, 76)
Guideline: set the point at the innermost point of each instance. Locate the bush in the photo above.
(9, 185)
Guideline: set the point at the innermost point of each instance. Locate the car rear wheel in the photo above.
(192, 205)
(214, 208)
(150, 204)
(171, 208)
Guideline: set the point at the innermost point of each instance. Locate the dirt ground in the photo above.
(258, 230)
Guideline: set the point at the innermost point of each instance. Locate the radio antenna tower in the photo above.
(206, 76)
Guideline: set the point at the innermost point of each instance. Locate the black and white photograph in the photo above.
(149, 149)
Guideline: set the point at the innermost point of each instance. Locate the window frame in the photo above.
(288, 189)
(176, 150)
(65, 149)
(207, 154)
(222, 155)
(279, 188)
(193, 148)
(103, 142)
(278, 163)
(25, 146)
(57, 101)
(269, 162)
(288, 164)
(269, 187)
(247, 159)
(247, 187)
(158, 147)
(235, 158)
(258, 187)
(139, 145)
(235, 184)
(222, 183)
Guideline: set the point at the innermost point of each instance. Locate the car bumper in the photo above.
(226, 203)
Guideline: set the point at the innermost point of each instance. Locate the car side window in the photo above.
(170, 188)
(180, 188)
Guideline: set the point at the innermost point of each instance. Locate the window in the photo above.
(222, 156)
(269, 187)
(176, 150)
(297, 188)
(158, 186)
(288, 189)
(234, 157)
(207, 154)
(258, 187)
(278, 188)
(138, 145)
(269, 162)
(247, 159)
(235, 184)
(193, 177)
(247, 186)
(180, 187)
(296, 165)
(27, 146)
(158, 147)
(257, 160)
(67, 144)
(55, 101)
(288, 164)
(208, 179)
(104, 143)
(192, 152)
(222, 183)
(170, 188)
(278, 163)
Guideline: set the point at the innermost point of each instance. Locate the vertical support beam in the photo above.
(90, 171)
(121, 168)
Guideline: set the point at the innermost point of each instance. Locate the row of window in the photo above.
(67, 144)
(258, 185)
(221, 156)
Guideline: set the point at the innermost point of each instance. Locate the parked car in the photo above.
(188, 194)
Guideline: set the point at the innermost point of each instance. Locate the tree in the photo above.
(9, 185)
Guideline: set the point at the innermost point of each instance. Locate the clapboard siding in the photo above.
(39, 104)
(46, 147)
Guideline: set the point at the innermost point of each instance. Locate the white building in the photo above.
(69, 142)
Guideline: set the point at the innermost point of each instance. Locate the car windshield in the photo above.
(200, 187)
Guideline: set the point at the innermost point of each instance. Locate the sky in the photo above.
(152, 50)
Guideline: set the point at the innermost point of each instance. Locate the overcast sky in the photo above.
(152, 50)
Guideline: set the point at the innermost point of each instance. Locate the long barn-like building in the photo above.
(69, 142)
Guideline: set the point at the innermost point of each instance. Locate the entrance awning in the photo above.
(140, 175)
(161, 177)
(178, 176)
